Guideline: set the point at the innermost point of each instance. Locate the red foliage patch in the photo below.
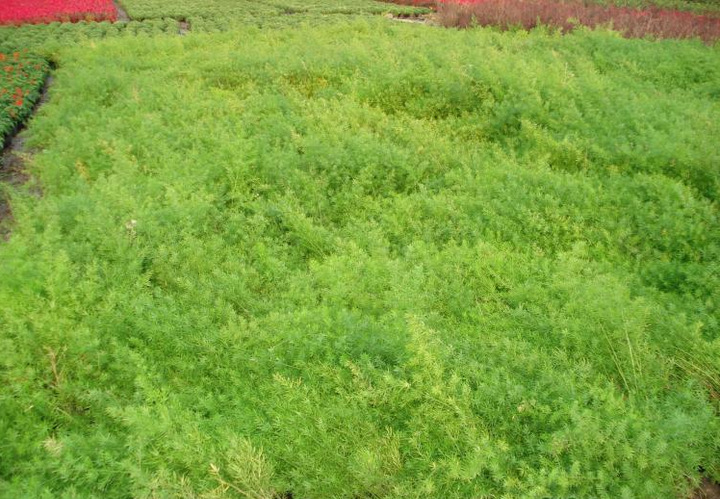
(527, 14)
(47, 11)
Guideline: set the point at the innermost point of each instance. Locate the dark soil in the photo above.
(413, 18)
(708, 490)
(12, 162)
(5, 215)
(12, 173)
(183, 27)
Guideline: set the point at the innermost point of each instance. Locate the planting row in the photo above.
(207, 24)
(564, 15)
(241, 10)
(21, 80)
(47, 11)
(48, 37)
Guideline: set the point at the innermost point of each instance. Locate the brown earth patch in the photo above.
(122, 15)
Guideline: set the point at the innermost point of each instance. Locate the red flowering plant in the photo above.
(21, 81)
(47, 11)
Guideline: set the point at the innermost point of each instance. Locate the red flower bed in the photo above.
(47, 11)
(21, 79)
(527, 14)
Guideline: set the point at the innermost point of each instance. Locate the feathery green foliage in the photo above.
(155, 17)
(47, 39)
(221, 15)
(367, 260)
(239, 9)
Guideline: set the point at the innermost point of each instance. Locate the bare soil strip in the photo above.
(707, 490)
(183, 27)
(413, 18)
(122, 15)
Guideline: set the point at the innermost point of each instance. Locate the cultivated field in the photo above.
(305, 250)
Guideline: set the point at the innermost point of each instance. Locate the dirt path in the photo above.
(427, 19)
(122, 15)
(707, 490)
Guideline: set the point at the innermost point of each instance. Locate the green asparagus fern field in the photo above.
(366, 259)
